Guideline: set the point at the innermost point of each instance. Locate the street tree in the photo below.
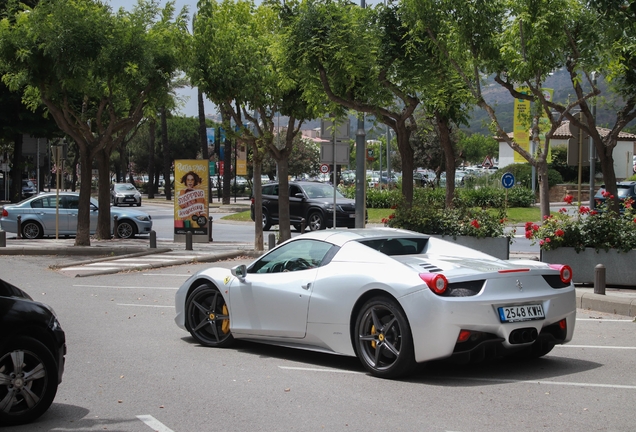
(234, 63)
(95, 71)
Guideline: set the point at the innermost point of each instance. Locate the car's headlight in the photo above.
(143, 218)
(137, 195)
(120, 195)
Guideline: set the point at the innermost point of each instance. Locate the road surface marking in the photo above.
(154, 423)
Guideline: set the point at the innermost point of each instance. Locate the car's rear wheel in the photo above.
(126, 229)
(28, 381)
(208, 318)
(267, 221)
(383, 339)
(316, 221)
(32, 230)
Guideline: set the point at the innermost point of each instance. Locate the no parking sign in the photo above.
(324, 168)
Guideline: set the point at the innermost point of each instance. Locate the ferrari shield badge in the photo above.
(226, 280)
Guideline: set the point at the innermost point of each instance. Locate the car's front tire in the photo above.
(32, 230)
(28, 381)
(208, 318)
(383, 339)
(316, 221)
(126, 229)
(267, 221)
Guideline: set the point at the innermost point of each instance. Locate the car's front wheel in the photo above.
(126, 229)
(32, 230)
(383, 339)
(28, 381)
(208, 318)
(316, 221)
(267, 222)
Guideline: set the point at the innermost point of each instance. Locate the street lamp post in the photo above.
(592, 151)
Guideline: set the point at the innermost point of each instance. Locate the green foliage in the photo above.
(427, 216)
(475, 147)
(569, 173)
(602, 229)
(523, 175)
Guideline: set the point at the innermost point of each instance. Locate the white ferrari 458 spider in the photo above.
(393, 298)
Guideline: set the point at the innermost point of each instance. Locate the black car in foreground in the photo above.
(32, 350)
(626, 190)
(312, 201)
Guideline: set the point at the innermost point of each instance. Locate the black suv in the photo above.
(312, 201)
(32, 350)
(626, 189)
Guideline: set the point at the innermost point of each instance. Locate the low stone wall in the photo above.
(557, 192)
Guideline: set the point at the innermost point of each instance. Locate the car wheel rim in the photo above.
(264, 220)
(31, 231)
(23, 382)
(380, 338)
(209, 318)
(125, 230)
(315, 222)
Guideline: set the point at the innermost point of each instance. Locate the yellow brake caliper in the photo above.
(225, 326)
(373, 343)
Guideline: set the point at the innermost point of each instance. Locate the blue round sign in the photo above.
(508, 180)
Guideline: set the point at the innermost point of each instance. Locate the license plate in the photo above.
(129, 199)
(521, 313)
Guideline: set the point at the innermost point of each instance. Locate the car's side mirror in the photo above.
(299, 195)
(240, 271)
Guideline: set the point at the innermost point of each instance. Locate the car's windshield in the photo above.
(319, 190)
(125, 187)
(623, 192)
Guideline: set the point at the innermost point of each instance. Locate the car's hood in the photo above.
(9, 290)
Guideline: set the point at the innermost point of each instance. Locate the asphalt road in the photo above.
(129, 368)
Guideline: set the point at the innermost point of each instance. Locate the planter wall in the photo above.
(620, 268)
(498, 247)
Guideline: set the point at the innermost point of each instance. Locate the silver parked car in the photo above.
(38, 217)
(124, 193)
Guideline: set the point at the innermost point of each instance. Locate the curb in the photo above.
(601, 303)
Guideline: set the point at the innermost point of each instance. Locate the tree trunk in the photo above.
(403, 135)
(167, 157)
(257, 197)
(83, 237)
(103, 195)
(544, 188)
(449, 158)
(227, 170)
(284, 229)
(152, 130)
(609, 178)
(75, 161)
(15, 191)
(203, 137)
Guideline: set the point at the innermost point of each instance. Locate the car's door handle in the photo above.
(306, 286)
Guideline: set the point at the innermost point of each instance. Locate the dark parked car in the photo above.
(124, 193)
(626, 189)
(32, 350)
(312, 201)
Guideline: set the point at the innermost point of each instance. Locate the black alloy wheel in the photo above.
(208, 318)
(28, 381)
(383, 339)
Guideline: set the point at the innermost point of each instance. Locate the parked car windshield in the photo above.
(125, 187)
(321, 191)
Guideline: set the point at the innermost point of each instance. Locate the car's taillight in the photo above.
(565, 272)
(5, 213)
(436, 282)
(252, 200)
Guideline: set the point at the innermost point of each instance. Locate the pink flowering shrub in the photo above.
(598, 229)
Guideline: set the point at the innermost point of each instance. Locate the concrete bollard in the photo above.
(211, 220)
(3, 239)
(19, 227)
(189, 240)
(599, 279)
(153, 239)
(115, 226)
(303, 225)
(271, 241)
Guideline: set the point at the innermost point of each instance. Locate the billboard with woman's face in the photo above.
(191, 197)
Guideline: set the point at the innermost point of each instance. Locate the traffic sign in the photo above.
(324, 168)
(508, 180)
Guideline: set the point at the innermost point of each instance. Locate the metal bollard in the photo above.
(3, 239)
(189, 240)
(271, 241)
(599, 279)
(211, 220)
(303, 225)
(153, 239)
(115, 226)
(19, 228)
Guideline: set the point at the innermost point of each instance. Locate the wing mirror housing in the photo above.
(240, 271)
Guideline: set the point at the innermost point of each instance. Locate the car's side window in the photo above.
(293, 190)
(293, 256)
(71, 202)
